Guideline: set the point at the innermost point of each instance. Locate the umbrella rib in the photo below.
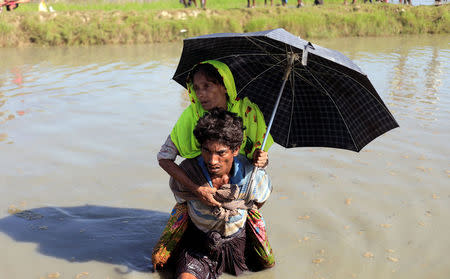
(332, 69)
(304, 79)
(256, 77)
(337, 108)
(292, 109)
(234, 55)
(356, 81)
(311, 84)
(255, 40)
(292, 104)
(248, 54)
(297, 72)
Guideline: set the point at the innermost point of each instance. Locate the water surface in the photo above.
(80, 128)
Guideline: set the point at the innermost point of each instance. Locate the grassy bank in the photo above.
(78, 26)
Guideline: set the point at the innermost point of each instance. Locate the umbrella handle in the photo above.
(255, 169)
(292, 57)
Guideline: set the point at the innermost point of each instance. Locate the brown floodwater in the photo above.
(80, 128)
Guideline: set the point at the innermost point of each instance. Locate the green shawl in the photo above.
(182, 133)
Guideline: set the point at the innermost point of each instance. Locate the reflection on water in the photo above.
(32, 78)
(434, 74)
(415, 81)
(83, 125)
(410, 70)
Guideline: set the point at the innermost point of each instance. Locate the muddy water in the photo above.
(79, 132)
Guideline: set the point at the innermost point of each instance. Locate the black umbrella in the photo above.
(312, 95)
(309, 95)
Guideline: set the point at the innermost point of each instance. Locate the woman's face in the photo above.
(209, 94)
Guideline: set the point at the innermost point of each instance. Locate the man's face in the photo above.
(218, 158)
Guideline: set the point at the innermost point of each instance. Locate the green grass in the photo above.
(130, 25)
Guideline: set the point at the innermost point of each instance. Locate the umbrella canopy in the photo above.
(320, 96)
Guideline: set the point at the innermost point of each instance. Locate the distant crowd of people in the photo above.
(14, 4)
(283, 3)
(252, 3)
(11, 4)
(188, 3)
(385, 1)
(406, 2)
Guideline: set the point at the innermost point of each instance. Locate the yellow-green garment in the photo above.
(182, 133)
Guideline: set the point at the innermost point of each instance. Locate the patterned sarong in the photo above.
(257, 242)
(171, 235)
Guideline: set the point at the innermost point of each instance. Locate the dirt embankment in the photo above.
(136, 27)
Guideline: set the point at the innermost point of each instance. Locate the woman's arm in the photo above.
(204, 192)
(166, 158)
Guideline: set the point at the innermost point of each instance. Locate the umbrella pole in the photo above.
(291, 58)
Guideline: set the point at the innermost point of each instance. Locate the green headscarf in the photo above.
(182, 133)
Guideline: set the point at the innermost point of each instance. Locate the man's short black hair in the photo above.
(222, 126)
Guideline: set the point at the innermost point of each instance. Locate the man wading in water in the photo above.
(215, 239)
